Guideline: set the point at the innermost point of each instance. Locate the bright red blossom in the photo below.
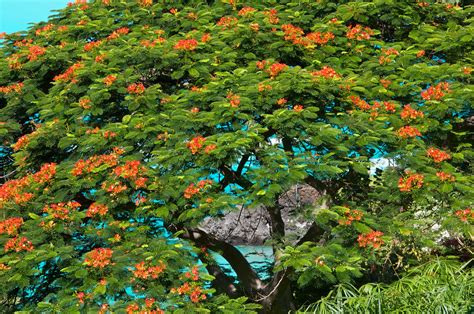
(109, 79)
(18, 244)
(234, 100)
(436, 92)
(437, 155)
(443, 176)
(410, 113)
(145, 271)
(97, 209)
(227, 22)
(136, 89)
(35, 52)
(326, 72)
(408, 131)
(98, 258)
(372, 238)
(61, 210)
(465, 214)
(186, 44)
(359, 33)
(246, 10)
(350, 216)
(195, 144)
(70, 74)
(17, 87)
(412, 181)
(10, 226)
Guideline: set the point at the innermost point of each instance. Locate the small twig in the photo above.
(274, 289)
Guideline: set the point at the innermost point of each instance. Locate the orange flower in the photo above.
(362, 104)
(92, 45)
(195, 144)
(437, 155)
(298, 108)
(282, 101)
(35, 52)
(246, 10)
(276, 68)
(205, 38)
(144, 271)
(436, 92)
(227, 22)
(233, 99)
(413, 181)
(465, 214)
(408, 131)
(385, 83)
(350, 216)
(372, 238)
(136, 89)
(420, 54)
(61, 210)
(18, 244)
(359, 33)
(98, 258)
(326, 72)
(97, 209)
(186, 44)
(410, 113)
(145, 3)
(210, 148)
(85, 103)
(70, 74)
(10, 226)
(109, 79)
(443, 176)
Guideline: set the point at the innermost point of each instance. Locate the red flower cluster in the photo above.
(408, 131)
(298, 108)
(227, 22)
(92, 45)
(35, 52)
(385, 83)
(195, 144)
(186, 44)
(14, 189)
(44, 29)
(386, 58)
(436, 92)
(136, 89)
(272, 16)
(362, 104)
(98, 258)
(132, 171)
(282, 101)
(119, 32)
(10, 226)
(437, 155)
(359, 33)
(16, 87)
(87, 166)
(109, 79)
(144, 271)
(134, 309)
(194, 292)
(145, 3)
(113, 188)
(372, 238)
(276, 68)
(413, 181)
(233, 99)
(18, 244)
(61, 210)
(193, 274)
(326, 72)
(192, 189)
(246, 10)
(85, 103)
(410, 113)
(70, 74)
(444, 176)
(350, 216)
(465, 214)
(97, 209)
(296, 36)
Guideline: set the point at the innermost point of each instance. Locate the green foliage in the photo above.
(439, 286)
(125, 123)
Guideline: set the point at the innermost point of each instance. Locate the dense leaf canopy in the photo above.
(125, 123)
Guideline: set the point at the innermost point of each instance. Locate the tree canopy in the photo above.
(125, 123)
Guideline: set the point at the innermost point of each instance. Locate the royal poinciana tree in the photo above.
(125, 123)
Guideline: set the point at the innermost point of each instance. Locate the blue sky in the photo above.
(15, 15)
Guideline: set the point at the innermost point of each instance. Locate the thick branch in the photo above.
(247, 276)
(222, 283)
(231, 176)
(313, 234)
